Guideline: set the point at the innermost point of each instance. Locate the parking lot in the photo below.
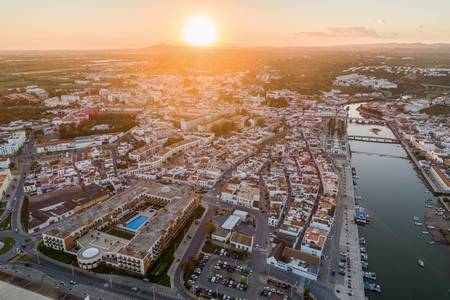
(224, 277)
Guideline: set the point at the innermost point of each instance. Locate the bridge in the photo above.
(366, 121)
(372, 139)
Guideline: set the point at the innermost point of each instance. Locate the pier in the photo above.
(373, 139)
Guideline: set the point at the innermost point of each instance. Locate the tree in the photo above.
(306, 293)
(188, 267)
(261, 122)
(211, 227)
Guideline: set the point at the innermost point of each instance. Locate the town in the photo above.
(223, 185)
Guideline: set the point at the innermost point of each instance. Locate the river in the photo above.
(392, 193)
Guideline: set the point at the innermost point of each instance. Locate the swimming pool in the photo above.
(136, 223)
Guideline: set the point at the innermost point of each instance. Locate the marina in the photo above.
(394, 194)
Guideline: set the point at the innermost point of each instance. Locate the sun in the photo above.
(199, 31)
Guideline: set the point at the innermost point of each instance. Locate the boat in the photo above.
(429, 206)
(431, 242)
(431, 227)
(418, 223)
(425, 232)
(416, 218)
(372, 287)
(361, 216)
(421, 263)
(370, 275)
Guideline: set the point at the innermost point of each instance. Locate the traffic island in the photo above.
(6, 244)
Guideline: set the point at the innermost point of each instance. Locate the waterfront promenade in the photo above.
(352, 287)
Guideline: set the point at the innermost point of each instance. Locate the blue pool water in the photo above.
(136, 222)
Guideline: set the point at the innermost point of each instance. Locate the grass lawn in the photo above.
(24, 214)
(104, 269)
(158, 273)
(57, 255)
(121, 233)
(8, 244)
(6, 224)
(210, 247)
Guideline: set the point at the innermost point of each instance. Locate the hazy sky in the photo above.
(74, 24)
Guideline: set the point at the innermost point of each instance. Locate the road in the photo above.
(14, 204)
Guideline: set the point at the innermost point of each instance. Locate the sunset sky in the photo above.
(94, 24)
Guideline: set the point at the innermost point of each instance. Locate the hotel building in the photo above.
(82, 234)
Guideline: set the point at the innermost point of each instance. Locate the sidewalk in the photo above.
(184, 245)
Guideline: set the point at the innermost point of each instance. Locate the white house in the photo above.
(242, 241)
(295, 262)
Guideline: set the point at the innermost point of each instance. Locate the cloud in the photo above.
(378, 21)
(342, 32)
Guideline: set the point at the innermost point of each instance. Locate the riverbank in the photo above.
(437, 225)
(420, 170)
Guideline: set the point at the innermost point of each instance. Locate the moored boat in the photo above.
(370, 275)
(421, 263)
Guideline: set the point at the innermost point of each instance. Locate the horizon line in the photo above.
(228, 46)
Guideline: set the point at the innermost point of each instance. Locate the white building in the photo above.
(242, 241)
(13, 144)
(314, 241)
(246, 196)
(295, 262)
